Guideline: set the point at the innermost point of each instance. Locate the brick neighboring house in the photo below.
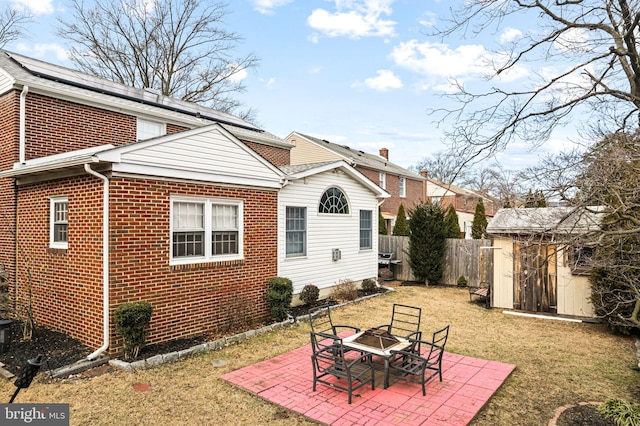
(187, 197)
(403, 186)
(464, 201)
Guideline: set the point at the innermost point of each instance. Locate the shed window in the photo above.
(59, 223)
(581, 259)
(334, 201)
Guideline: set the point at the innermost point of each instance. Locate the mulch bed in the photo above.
(582, 415)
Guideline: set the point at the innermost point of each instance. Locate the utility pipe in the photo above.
(105, 262)
(22, 143)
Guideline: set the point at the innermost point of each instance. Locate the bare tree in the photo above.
(595, 78)
(443, 166)
(12, 21)
(179, 48)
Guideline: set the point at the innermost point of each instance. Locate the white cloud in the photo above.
(267, 7)
(354, 19)
(236, 75)
(428, 19)
(509, 35)
(37, 7)
(40, 50)
(438, 59)
(575, 40)
(269, 83)
(384, 81)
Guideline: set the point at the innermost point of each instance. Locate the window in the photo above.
(296, 231)
(334, 201)
(382, 180)
(206, 230)
(59, 223)
(366, 225)
(402, 186)
(581, 258)
(147, 129)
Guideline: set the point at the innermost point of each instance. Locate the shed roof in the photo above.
(545, 220)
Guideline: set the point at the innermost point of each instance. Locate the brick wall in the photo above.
(187, 300)
(413, 195)
(274, 155)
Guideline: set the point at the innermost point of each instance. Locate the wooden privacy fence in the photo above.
(471, 258)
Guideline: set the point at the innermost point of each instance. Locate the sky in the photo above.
(362, 73)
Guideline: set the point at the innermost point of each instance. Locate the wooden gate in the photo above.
(535, 277)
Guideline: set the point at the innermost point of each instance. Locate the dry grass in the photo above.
(558, 363)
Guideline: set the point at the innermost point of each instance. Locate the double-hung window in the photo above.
(206, 230)
(382, 180)
(402, 189)
(366, 229)
(59, 222)
(296, 231)
(147, 129)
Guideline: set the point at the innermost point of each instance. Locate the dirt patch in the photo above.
(584, 414)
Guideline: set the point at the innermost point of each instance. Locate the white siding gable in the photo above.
(211, 155)
(327, 232)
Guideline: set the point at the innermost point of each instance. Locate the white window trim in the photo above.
(402, 184)
(382, 178)
(208, 257)
(52, 202)
(139, 121)
(306, 240)
(370, 231)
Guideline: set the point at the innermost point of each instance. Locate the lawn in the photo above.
(558, 363)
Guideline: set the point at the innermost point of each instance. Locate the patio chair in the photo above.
(329, 360)
(405, 322)
(321, 322)
(413, 367)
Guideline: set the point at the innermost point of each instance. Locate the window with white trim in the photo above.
(206, 230)
(402, 186)
(296, 231)
(382, 180)
(333, 201)
(366, 229)
(147, 129)
(59, 222)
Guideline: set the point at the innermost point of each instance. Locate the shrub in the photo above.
(462, 281)
(309, 294)
(131, 320)
(369, 286)
(345, 290)
(279, 294)
(622, 413)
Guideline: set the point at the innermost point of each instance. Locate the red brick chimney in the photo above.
(384, 152)
(423, 173)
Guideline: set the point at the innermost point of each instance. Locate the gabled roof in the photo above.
(545, 220)
(17, 71)
(301, 171)
(360, 158)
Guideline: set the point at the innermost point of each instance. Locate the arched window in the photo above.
(334, 201)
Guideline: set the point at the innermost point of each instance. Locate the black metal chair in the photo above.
(405, 322)
(411, 366)
(329, 360)
(321, 322)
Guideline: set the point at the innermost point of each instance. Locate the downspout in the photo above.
(23, 100)
(105, 262)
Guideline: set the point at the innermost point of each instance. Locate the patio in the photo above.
(286, 380)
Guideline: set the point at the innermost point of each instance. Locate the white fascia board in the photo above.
(140, 169)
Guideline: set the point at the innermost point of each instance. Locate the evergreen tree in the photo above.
(382, 224)
(401, 228)
(452, 224)
(480, 222)
(427, 242)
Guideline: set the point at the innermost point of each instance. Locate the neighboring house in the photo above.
(464, 201)
(111, 194)
(403, 186)
(536, 269)
(328, 225)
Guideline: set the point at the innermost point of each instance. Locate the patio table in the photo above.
(382, 350)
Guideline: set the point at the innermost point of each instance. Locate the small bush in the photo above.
(309, 294)
(279, 294)
(131, 320)
(345, 290)
(622, 413)
(369, 286)
(462, 281)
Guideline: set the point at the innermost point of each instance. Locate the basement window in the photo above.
(59, 222)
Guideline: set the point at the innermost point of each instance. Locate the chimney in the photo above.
(384, 152)
(423, 173)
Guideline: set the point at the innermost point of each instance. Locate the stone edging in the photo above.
(220, 343)
(559, 411)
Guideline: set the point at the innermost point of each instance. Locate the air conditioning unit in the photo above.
(336, 255)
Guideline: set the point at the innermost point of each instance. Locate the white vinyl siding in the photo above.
(59, 222)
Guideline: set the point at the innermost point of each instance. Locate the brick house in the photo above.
(403, 186)
(111, 194)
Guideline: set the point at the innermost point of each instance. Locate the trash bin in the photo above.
(5, 335)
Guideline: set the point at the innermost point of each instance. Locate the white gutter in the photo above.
(105, 261)
(23, 97)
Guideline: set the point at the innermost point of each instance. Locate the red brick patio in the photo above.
(287, 381)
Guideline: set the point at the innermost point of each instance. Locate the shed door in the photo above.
(535, 277)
